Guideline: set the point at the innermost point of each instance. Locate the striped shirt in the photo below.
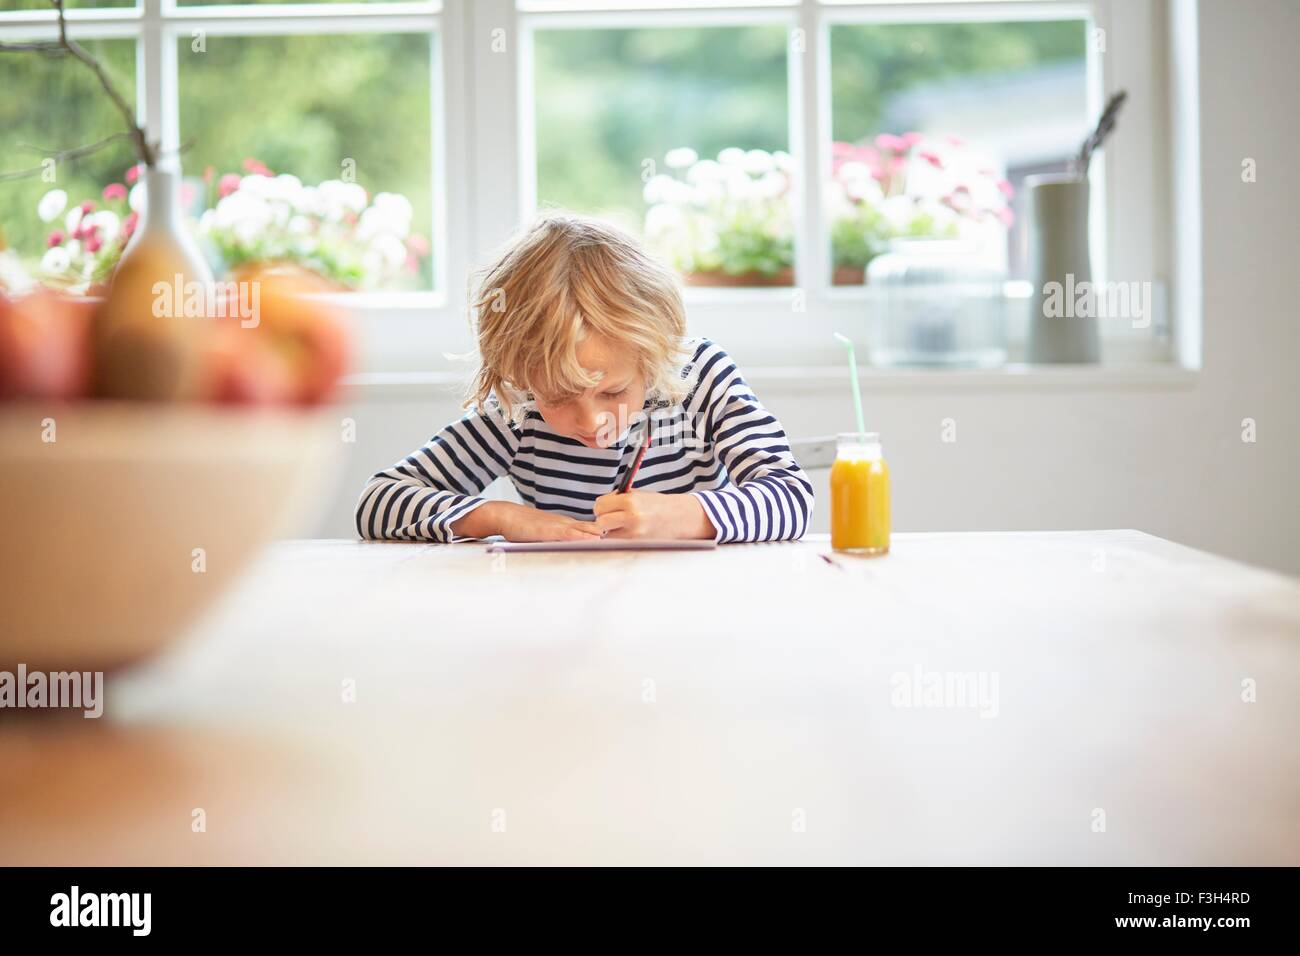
(719, 444)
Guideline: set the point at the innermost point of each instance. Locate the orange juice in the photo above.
(860, 495)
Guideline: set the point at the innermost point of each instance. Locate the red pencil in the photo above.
(631, 475)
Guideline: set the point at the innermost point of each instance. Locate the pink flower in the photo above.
(132, 175)
(1007, 216)
(129, 224)
(956, 141)
(228, 184)
(94, 244)
(54, 239)
(911, 139)
(114, 191)
(256, 166)
(932, 158)
(87, 207)
(417, 244)
(890, 143)
(1007, 189)
(187, 194)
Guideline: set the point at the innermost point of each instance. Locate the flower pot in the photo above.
(784, 277)
(1058, 258)
(849, 275)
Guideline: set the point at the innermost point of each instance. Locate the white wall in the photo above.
(1165, 458)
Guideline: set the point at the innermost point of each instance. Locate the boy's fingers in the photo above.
(581, 532)
(612, 520)
(613, 501)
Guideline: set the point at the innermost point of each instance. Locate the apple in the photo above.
(45, 346)
(300, 328)
(243, 369)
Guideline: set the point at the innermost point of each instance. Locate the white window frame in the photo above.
(484, 163)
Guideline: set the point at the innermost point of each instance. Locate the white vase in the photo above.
(162, 221)
(1058, 260)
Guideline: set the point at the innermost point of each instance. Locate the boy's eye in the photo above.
(619, 394)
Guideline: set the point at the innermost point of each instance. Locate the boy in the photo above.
(582, 350)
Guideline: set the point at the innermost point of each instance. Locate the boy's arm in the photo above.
(770, 497)
(437, 486)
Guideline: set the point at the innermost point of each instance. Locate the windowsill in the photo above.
(1148, 376)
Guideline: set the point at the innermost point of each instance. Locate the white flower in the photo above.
(395, 207)
(680, 158)
(108, 222)
(662, 220)
(52, 205)
(340, 197)
(255, 184)
(705, 171)
(135, 198)
(286, 187)
(391, 249)
(770, 186)
(73, 248)
(659, 189)
(56, 260)
(898, 212)
(758, 162)
(73, 219)
(783, 161)
(731, 156)
(246, 231)
(354, 197)
(299, 226)
(308, 201)
(389, 216)
(13, 277)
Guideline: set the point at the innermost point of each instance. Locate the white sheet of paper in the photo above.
(607, 544)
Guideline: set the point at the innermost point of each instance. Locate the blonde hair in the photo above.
(560, 279)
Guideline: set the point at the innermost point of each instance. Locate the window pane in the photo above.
(8, 5)
(349, 117)
(208, 3)
(48, 106)
(622, 116)
(937, 124)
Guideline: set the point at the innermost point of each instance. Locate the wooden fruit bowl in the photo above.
(99, 528)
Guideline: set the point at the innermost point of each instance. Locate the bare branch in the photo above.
(67, 155)
(146, 151)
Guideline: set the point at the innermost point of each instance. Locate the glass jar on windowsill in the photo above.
(938, 302)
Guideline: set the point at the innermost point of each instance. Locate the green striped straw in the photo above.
(853, 378)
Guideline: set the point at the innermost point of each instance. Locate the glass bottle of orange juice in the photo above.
(859, 495)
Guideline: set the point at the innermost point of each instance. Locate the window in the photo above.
(741, 138)
(303, 131)
(73, 115)
(348, 109)
(936, 124)
(679, 134)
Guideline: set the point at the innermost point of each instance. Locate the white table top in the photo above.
(739, 706)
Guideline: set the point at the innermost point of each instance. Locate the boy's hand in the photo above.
(521, 523)
(651, 514)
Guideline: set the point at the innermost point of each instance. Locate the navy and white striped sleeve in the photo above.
(423, 494)
(769, 497)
